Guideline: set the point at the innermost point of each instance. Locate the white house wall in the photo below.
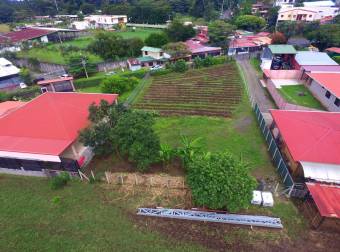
(320, 93)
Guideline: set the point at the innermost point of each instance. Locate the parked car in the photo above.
(156, 67)
(64, 75)
(22, 85)
(110, 73)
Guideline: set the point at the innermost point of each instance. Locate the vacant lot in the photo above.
(141, 33)
(300, 95)
(213, 91)
(80, 217)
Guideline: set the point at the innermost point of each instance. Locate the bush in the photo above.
(336, 59)
(179, 66)
(138, 74)
(118, 85)
(90, 82)
(156, 39)
(209, 61)
(25, 75)
(21, 94)
(220, 181)
(161, 72)
(60, 181)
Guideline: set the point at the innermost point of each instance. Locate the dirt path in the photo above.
(255, 88)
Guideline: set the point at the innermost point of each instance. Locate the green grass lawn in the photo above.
(82, 42)
(255, 62)
(291, 94)
(82, 220)
(51, 54)
(141, 33)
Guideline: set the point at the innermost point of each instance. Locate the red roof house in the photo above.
(335, 50)
(9, 106)
(46, 130)
(23, 35)
(325, 86)
(324, 206)
(196, 48)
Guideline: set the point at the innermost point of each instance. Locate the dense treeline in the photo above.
(147, 11)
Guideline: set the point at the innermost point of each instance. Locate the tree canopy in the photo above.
(176, 50)
(179, 32)
(219, 32)
(156, 40)
(218, 180)
(250, 23)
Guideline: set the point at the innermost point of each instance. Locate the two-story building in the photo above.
(152, 56)
(307, 14)
(100, 22)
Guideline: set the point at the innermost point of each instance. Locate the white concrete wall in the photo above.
(155, 55)
(44, 39)
(319, 92)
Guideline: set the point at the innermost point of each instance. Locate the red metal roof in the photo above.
(326, 198)
(333, 49)
(9, 106)
(48, 124)
(197, 47)
(311, 136)
(330, 81)
(23, 35)
(44, 82)
(322, 68)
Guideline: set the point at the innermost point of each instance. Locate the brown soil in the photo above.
(222, 237)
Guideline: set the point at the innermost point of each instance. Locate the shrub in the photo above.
(90, 82)
(118, 85)
(138, 74)
(220, 181)
(336, 59)
(161, 72)
(60, 181)
(179, 66)
(25, 76)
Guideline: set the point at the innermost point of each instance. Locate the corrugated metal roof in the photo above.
(330, 81)
(333, 69)
(314, 59)
(49, 123)
(282, 49)
(311, 136)
(321, 172)
(333, 49)
(326, 198)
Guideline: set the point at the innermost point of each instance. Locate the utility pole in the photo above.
(56, 5)
(83, 62)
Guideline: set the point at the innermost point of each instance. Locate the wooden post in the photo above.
(107, 177)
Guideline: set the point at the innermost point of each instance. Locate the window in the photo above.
(310, 15)
(337, 102)
(161, 54)
(146, 53)
(328, 94)
(289, 16)
(282, 16)
(294, 15)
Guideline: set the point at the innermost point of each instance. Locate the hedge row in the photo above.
(97, 80)
(21, 94)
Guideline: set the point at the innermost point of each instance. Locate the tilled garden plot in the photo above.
(214, 91)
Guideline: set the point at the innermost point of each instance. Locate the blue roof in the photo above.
(307, 58)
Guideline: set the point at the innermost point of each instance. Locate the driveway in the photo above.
(255, 88)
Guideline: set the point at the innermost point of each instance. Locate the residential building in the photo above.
(242, 44)
(42, 135)
(308, 14)
(308, 140)
(63, 84)
(153, 56)
(9, 75)
(134, 64)
(283, 3)
(9, 106)
(260, 9)
(307, 58)
(12, 41)
(197, 49)
(100, 21)
(277, 57)
(326, 88)
(319, 4)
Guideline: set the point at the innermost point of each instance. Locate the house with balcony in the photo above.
(306, 14)
(100, 22)
(152, 56)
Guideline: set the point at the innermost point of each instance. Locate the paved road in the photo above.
(258, 92)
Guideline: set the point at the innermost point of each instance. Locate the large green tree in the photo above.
(219, 32)
(326, 36)
(177, 31)
(156, 39)
(250, 22)
(177, 49)
(219, 180)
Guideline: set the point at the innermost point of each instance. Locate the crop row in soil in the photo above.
(213, 92)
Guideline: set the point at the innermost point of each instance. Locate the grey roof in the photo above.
(307, 58)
